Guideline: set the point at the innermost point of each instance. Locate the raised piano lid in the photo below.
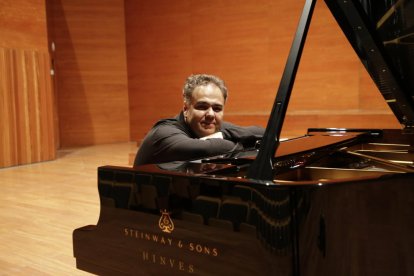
(382, 34)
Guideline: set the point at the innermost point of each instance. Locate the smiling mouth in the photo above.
(208, 125)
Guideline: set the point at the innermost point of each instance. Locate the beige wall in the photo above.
(27, 128)
(246, 43)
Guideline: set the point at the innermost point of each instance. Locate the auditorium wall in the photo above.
(119, 65)
(27, 126)
(246, 43)
(90, 71)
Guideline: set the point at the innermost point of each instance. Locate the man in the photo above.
(198, 131)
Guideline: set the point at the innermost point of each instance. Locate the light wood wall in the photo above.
(246, 43)
(27, 129)
(90, 66)
(97, 101)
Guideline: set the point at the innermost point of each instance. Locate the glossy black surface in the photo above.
(381, 33)
(349, 212)
(394, 23)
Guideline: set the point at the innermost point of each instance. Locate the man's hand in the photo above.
(218, 135)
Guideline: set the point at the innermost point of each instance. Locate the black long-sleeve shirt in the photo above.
(172, 140)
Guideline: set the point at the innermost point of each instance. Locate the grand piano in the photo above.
(331, 202)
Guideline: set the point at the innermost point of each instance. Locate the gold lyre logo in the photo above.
(165, 223)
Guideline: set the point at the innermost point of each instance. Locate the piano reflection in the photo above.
(331, 202)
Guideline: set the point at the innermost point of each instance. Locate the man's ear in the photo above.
(185, 107)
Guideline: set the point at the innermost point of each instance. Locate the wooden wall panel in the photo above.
(26, 114)
(90, 66)
(26, 96)
(246, 43)
(23, 24)
(158, 36)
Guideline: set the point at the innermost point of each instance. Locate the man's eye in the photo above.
(201, 107)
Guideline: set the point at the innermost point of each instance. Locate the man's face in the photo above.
(205, 112)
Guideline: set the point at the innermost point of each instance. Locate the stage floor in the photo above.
(41, 204)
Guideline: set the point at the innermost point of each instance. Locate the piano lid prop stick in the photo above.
(262, 167)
